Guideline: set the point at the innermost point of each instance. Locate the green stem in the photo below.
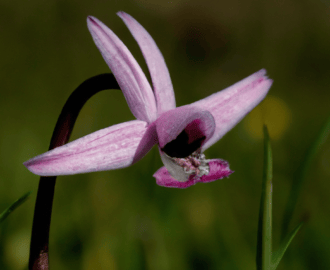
(264, 240)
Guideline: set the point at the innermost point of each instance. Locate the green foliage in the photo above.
(301, 174)
(277, 256)
(264, 240)
(266, 260)
(16, 204)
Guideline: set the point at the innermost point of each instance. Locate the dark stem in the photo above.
(43, 208)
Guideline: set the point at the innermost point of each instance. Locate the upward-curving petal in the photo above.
(230, 105)
(107, 149)
(160, 76)
(128, 73)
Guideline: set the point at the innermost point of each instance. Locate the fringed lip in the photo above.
(219, 169)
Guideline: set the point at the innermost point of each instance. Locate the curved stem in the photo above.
(43, 208)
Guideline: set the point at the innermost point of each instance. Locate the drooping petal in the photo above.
(195, 122)
(107, 149)
(160, 76)
(128, 73)
(148, 140)
(230, 105)
(218, 169)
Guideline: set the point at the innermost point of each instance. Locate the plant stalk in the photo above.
(39, 253)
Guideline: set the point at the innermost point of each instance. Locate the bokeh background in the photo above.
(121, 219)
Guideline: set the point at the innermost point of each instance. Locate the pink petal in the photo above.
(148, 140)
(128, 73)
(160, 76)
(194, 121)
(230, 105)
(218, 169)
(107, 149)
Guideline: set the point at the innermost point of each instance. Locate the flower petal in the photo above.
(110, 148)
(160, 76)
(128, 73)
(148, 140)
(218, 169)
(230, 105)
(194, 121)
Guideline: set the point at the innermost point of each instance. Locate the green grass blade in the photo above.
(16, 204)
(277, 256)
(264, 239)
(300, 177)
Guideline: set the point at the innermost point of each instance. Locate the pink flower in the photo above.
(182, 133)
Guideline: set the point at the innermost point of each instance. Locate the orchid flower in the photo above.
(182, 134)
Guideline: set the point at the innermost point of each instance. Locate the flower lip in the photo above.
(194, 164)
(218, 170)
(182, 168)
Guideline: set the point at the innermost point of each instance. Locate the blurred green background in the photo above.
(122, 219)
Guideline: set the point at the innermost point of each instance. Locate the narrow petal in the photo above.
(218, 169)
(195, 122)
(107, 149)
(128, 73)
(148, 140)
(160, 76)
(230, 105)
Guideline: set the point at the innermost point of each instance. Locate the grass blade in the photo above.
(264, 239)
(16, 204)
(277, 256)
(300, 178)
